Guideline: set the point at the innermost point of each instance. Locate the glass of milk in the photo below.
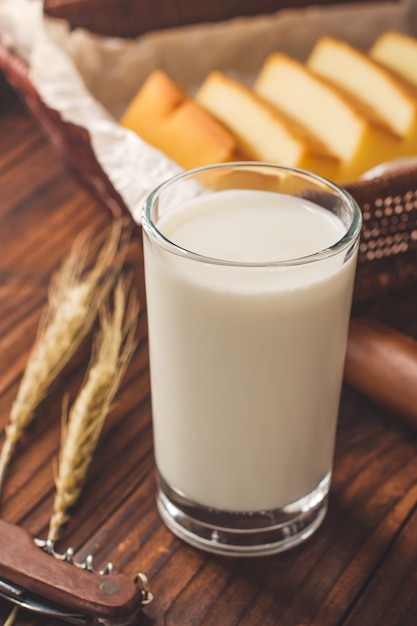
(249, 273)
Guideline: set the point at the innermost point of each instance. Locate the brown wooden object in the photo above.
(24, 564)
(382, 363)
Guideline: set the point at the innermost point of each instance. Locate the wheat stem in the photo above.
(12, 617)
(74, 298)
(113, 349)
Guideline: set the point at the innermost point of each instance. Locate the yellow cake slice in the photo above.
(398, 52)
(320, 107)
(164, 116)
(385, 97)
(265, 134)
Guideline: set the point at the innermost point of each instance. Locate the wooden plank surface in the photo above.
(359, 569)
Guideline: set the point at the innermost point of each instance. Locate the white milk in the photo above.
(247, 362)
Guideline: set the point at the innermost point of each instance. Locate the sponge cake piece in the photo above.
(265, 134)
(163, 115)
(398, 52)
(327, 114)
(386, 98)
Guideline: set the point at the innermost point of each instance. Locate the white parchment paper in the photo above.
(90, 79)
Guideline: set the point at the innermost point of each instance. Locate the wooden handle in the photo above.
(382, 363)
(29, 567)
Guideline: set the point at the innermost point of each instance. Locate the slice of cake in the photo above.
(398, 52)
(385, 97)
(321, 108)
(265, 134)
(164, 116)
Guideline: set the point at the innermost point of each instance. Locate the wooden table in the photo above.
(359, 569)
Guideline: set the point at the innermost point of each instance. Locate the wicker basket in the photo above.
(388, 249)
(131, 18)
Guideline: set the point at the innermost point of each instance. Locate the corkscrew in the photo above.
(34, 576)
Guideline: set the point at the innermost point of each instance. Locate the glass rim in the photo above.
(351, 235)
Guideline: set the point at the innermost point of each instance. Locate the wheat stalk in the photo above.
(74, 298)
(113, 349)
(12, 617)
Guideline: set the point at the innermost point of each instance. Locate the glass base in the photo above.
(232, 533)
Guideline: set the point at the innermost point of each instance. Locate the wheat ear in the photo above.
(74, 297)
(113, 349)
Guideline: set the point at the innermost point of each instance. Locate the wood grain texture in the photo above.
(359, 569)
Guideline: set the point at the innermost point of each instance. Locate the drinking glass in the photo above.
(249, 271)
